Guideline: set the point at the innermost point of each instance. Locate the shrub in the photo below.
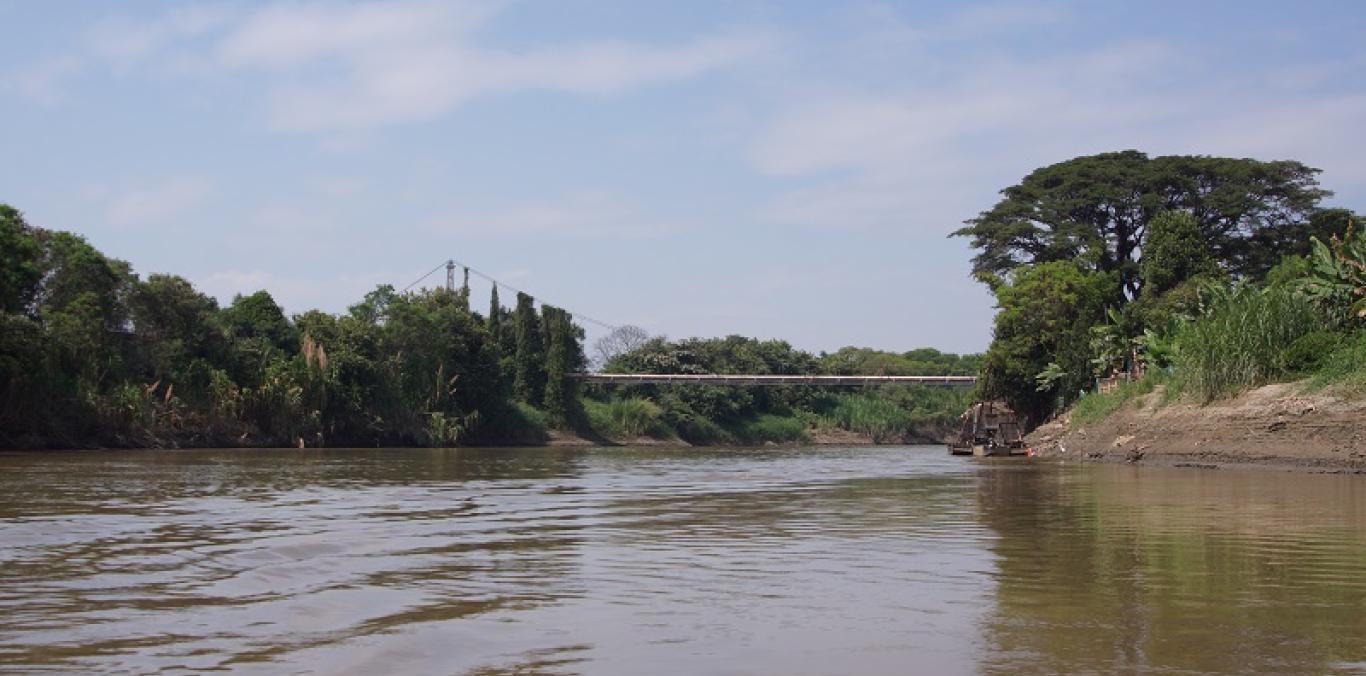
(514, 422)
(878, 418)
(1094, 406)
(636, 416)
(774, 428)
(626, 418)
(696, 429)
(1345, 367)
(1308, 351)
(599, 415)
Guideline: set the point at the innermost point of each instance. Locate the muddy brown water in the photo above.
(860, 560)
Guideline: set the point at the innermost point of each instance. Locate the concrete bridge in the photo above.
(726, 379)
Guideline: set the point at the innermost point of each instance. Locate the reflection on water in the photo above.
(830, 560)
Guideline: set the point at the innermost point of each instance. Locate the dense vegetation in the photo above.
(1210, 274)
(713, 413)
(92, 354)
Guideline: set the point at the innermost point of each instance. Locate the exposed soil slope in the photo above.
(1273, 426)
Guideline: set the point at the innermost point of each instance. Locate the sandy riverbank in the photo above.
(1276, 426)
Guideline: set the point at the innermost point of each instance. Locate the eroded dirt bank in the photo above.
(1277, 426)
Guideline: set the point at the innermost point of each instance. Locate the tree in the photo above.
(1046, 313)
(620, 340)
(177, 332)
(1095, 210)
(259, 316)
(1173, 251)
(562, 358)
(19, 262)
(529, 365)
(82, 303)
(495, 318)
(259, 335)
(1336, 279)
(373, 307)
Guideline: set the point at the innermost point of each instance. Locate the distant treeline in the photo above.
(93, 355)
(1207, 275)
(724, 414)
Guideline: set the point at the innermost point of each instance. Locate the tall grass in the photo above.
(1344, 368)
(626, 418)
(878, 418)
(1242, 341)
(775, 428)
(1094, 406)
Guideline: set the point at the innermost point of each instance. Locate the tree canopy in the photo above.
(1095, 211)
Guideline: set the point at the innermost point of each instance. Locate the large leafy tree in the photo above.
(20, 269)
(82, 302)
(259, 316)
(1173, 251)
(1047, 311)
(1095, 211)
(178, 335)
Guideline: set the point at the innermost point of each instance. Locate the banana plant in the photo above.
(1336, 282)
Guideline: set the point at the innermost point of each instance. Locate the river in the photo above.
(832, 560)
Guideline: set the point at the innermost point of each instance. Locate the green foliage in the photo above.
(1242, 341)
(1046, 315)
(258, 316)
(1308, 352)
(636, 417)
(696, 429)
(1095, 406)
(495, 317)
(91, 355)
(563, 356)
(626, 418)
(1174, 250)
(20, 270)
(1094, 210)
(513, 422)
(1344, 368)
(921, 362)
(877, 417)
(529, 365)
(717, 414)
(769, 428)
(1336, 278)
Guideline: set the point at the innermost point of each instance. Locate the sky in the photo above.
(772, 169)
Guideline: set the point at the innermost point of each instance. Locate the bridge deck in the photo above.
(724, 379)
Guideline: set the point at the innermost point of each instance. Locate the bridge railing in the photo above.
(737, 379)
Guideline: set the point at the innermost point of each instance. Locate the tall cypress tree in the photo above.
(529, 366)
(554, 367)
(462, 294)
(561, 392)
(495, 318)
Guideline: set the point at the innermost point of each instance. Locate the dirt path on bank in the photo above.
(1276, 426)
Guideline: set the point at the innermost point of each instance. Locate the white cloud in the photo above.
(43, 82)
(344, 68)
(932, 151)
(351, 67)
(159, 203)
(123, 42)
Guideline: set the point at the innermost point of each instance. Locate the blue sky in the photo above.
(774, 169)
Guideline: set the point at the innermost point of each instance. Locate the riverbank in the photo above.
(1280, 426)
